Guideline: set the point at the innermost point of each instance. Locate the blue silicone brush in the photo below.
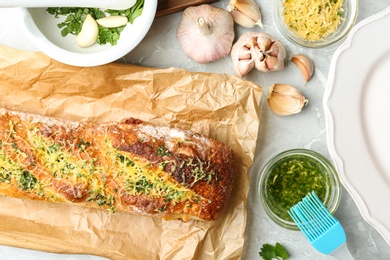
(323, 231)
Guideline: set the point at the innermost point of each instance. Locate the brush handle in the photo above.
(342, 253)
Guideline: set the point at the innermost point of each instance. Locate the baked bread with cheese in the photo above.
(126, 166)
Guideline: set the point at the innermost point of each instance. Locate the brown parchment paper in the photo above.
(217, 105)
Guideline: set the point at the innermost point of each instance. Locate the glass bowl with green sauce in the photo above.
(289, 176)
(315, 24)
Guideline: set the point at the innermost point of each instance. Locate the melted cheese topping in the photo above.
(61, 163)
(78, 171)
(140, 178)
(137, 176)
(313, 20)
(15, 173)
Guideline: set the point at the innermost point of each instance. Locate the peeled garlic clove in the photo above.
(285, 100)
(89, 32)
(205, 33)
(245, 13)
(304, 64)
(112, 21)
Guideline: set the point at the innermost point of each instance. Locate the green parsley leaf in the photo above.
(75, 17)
(280, 251)
(131, 13)
(109, 35)
(269, 252)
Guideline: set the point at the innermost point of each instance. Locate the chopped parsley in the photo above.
(291, 178)
(75, 17)
(162, 151)
(27, 181)
(11, 169)
(313, 20)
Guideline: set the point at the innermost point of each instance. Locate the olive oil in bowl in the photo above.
(290, 176)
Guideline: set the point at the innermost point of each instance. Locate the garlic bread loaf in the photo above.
(128, 166)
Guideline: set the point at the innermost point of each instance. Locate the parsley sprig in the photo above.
(75, 17)
(269, 252)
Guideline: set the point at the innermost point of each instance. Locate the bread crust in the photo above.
(126, 166)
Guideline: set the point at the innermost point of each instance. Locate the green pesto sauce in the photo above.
(291, 179)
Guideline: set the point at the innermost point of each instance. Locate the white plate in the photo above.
(357, 109)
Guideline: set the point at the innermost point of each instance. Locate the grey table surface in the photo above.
(306, 130)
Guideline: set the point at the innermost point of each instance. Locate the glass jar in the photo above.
(348, 18)
(289, 176)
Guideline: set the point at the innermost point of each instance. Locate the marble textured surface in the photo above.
(305, 130)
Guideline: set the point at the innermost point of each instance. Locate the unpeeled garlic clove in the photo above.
(242, 19)
(266, 53)
(244, 66)
(112, 21)
(263, 41)
(89, 32)
(285, 100)
(304, 64)
(245, 13)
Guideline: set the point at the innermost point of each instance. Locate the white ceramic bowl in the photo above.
(41, 28)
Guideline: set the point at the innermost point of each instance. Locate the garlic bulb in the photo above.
(205, 33)
(257, 50)
(285, 100)
(245, 13)
(304, 64)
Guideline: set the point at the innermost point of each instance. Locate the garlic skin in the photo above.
(205, 33)
(285, 100)
(305, 66)
(89, 32)
(257, 50)
(245, 13)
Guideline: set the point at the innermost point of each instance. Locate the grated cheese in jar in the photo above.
(313, 20)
